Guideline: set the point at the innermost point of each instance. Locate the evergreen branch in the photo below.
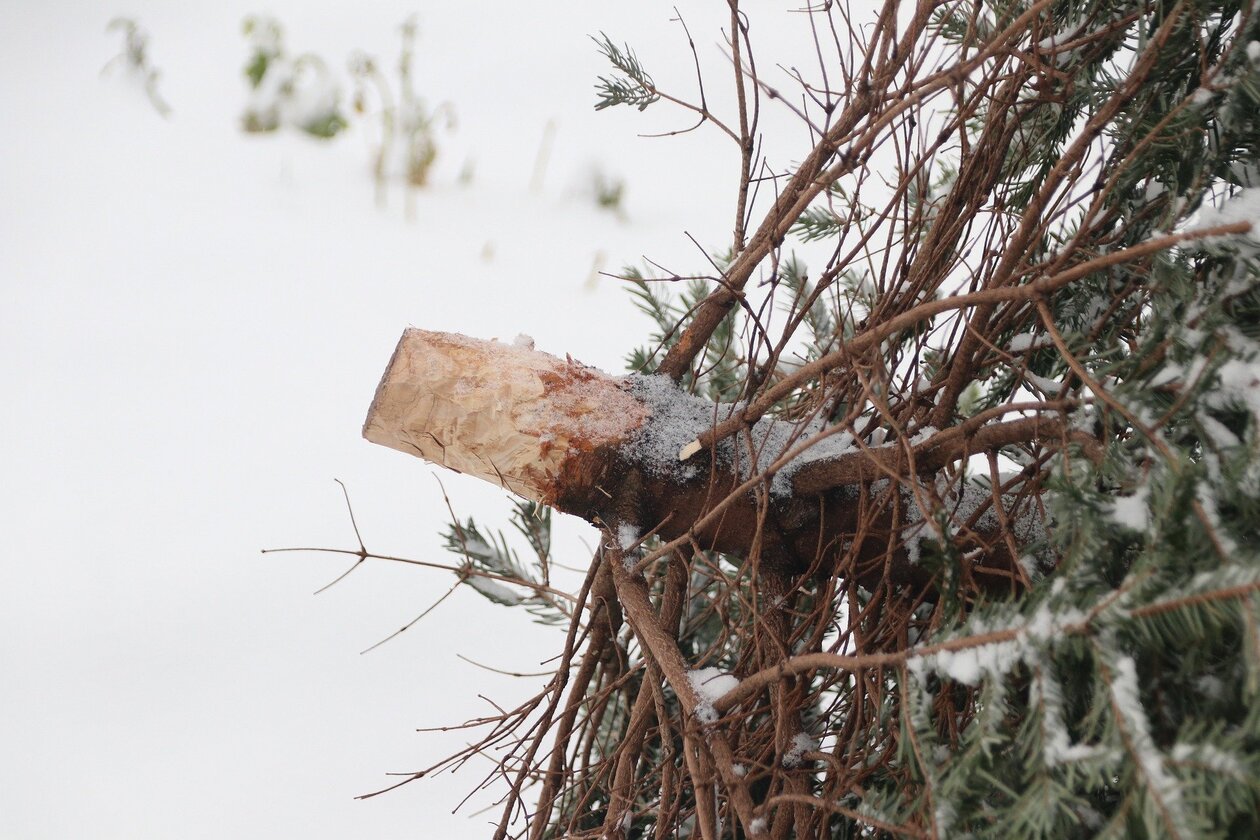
(1242, 590)
(877, 333)
(751, 685)
(636, 88)
(817, 223)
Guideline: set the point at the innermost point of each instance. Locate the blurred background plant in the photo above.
(134, 59)
(303, 92)
(406, 146)
(609, 191)
(299, 92)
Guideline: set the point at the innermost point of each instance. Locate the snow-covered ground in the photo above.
(192, 323)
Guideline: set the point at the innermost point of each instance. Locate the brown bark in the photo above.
(567, 435)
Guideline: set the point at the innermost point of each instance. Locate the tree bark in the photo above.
(535, 424)
(564, 434)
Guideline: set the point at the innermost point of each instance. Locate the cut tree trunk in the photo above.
(607, 449)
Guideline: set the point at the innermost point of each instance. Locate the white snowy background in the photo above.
(192, 323)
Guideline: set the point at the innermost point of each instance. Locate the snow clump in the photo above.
(665, 444)
(627, 535)
(711, 684)
(801, 744)
(1243, 206)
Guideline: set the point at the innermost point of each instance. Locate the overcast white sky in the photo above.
(192, 323)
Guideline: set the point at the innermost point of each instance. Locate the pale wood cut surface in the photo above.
(504, 413)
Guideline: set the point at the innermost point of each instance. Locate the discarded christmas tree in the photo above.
(963, 540)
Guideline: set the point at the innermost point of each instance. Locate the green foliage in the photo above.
(719, 369)
(825, 314)
(827, 220)
(609, 191)
(817, 223)
(303, 92)
(134, 57)
(408, 126)
(494, 569)
(1125, 705)
(265, 36)
(324, 126)
(298, 91)
(633, 87)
